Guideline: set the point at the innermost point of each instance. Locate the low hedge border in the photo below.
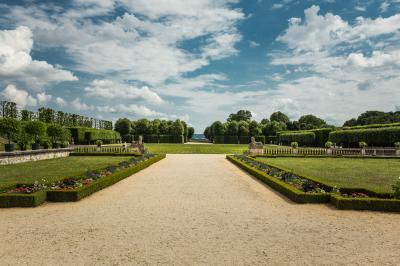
(285, 189)
(79, 193)
(325, 156)
(367, 204)
(104, 154)
(377, 201)
(22, 200)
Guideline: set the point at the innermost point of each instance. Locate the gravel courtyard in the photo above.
(191, 210)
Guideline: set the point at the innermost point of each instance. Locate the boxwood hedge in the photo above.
(305, 138)
(371, 204)
(380, 137)
(79, 193)
(22, 200)
(85, 135)
(282, 187)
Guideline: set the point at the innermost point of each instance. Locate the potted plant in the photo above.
(362, 145)
(397, 145)
(55, 133)
(36, 130)
(99, 143)
(9, 128)
(328, 146)
(294, 145)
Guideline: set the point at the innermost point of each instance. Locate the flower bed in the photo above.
(290, 185)
(94, 181)
(74, 188)
(341, 198)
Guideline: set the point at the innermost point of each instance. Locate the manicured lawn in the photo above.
(53, 170)
(196, 148)
(375, 174)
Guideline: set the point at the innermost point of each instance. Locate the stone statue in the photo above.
(138, 145)
(256, 147)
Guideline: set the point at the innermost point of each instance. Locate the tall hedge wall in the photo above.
(85, 135)
(372, 126)
(236, 139)
(378, 137)
(303, 138)
(171, 139)
(321, 136)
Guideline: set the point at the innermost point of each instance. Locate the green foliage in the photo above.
(232, 128)
(396, 189)
(9, 128)
(279, 117)
(260, 139)
(379, 137)
(123, 126)
(217, 129)
(35, 130)
(190, 132)
(254, 129)
(244, 139)
(372, 126)
(374, 117)
(302, 138)
(294, 145)
(371, 204)
(151, 138)
(99, 143)
(328, 144)
(22, 200)
(171, 139)
(362, 144)
(397, 144)
(271, 128)
(106, 136)
(242, 115)
(312, 120)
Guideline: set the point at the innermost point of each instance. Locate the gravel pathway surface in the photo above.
(195, 210)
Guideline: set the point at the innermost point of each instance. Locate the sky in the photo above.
(200, 60)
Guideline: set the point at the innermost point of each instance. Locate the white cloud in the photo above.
(253, 44)
(43, 98)
(61, 102)
(16, 64)
(111, 90)
(20, 97)
(81, 106)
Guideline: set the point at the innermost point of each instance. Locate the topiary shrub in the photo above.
(294, 145)
(397, 145)
(328, 144)
(362, 144)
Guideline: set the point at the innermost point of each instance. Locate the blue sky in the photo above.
(201, 60)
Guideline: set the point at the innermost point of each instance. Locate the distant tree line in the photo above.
(50, 116)
(241, 124)
(129, 129)
(374, 117)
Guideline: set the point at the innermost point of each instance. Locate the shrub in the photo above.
(362, 144)
(396, 189)
(380, 137)
(328, 144)
(397, 144)
(294, 145)
(302, 138)
(99, 143)
(36, 130)
(9, 128)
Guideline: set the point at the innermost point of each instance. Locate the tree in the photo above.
(9, 127)
(164, 127)
(350, 123)
(27, 115)
(123, 126)
(273, 127)
(190, 132)
(207, 133)
(217, 129)
(35, 130)
(279, 117)
(254, 129)
(55, 132)
(242, 115)
(177, 128)
(312, 121)
(265, 121)
(293, 125)
(142, 127)
(232, 128)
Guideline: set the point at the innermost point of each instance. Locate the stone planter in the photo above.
(398, 152)
(35, 146)
(295, 151)
(9, 147)
(329, 151)
(363, 152)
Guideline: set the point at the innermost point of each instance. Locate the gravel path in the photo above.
(191, 210)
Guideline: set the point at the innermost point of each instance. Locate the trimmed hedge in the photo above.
(151, 138)
(226, 140)
(171, 139)
(260, 139)
(79, 193)
(85, 135)
(244, 139)
(372, 126)
(282, 187)
(321, 135)
(370, 204)
(271, 139)
(22, 200)
(380, 137)
(104, 154)
(305, 138)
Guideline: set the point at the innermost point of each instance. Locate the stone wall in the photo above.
(31, 156)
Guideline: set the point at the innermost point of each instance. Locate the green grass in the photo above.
(54, 169)
(196, 148)
(374, 174)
